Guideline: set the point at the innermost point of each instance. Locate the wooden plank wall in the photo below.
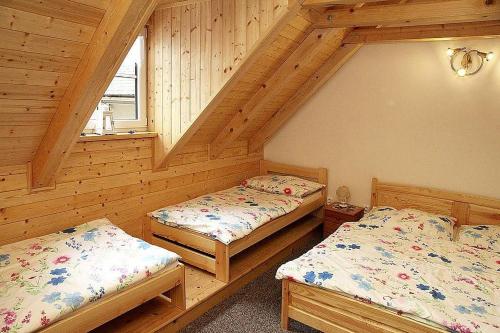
(200, 45)
(193, 50)
(41, 44)
(114, 179)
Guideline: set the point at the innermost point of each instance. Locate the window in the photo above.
(125, 97)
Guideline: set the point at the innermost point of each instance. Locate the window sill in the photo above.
(117, 136)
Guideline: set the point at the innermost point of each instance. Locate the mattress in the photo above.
(230, 214)
(45, 279)
(443, 283)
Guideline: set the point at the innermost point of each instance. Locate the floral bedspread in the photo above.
(437, 281)
(45, 278)
(227, 215)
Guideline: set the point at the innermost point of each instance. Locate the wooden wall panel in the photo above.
(271, 58)
(196, 48)
(113, 178)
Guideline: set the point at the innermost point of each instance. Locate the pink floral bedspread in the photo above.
(45, 278)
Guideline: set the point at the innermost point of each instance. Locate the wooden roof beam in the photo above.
(288, 71)
(117, 31)
(316, 81)
(411, 14)
(252, 56)
(490, 29)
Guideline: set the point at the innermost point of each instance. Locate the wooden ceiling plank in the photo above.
(19, 20)
(316, 81)
(7, 118)
(327, 3)
(61, 9)
(288, 71)
(162, 4)
(119, 27)
(101, 4)
(408, 14)
(26, 104)
(34, 78)
(21, 41)
(435, 32)
(19, 91)
(37, 61)
(163, 157)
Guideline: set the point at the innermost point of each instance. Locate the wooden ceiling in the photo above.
(41, 45)
(57, 57)
(254, 104)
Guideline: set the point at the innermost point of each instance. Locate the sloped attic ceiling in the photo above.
(41, 45)
(58, 56)
(305, 48)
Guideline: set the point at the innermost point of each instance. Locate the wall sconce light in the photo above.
(465, 61)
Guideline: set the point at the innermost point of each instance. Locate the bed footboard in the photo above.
(194, 249)
(329, 311)
(170, 283)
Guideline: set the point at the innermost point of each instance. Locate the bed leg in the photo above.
(177, 294)
(320, 212)
(285, 292)
(222, 262)
(147, 234)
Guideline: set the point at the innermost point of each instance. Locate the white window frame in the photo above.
(140, 124)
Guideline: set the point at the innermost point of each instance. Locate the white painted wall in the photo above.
(398, 112)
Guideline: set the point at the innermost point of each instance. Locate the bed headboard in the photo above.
(468, 209)
(319, 175)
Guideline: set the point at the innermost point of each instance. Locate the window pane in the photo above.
(121, 93)
(125, 95)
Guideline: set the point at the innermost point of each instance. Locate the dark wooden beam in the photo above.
(434, 32)
(411, 14)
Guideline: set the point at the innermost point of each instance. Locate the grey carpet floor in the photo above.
(255, 308)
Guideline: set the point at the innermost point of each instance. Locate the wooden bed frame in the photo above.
(331, 311)
(169, 283)
(214, 256)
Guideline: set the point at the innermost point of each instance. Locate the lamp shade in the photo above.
(343, 194)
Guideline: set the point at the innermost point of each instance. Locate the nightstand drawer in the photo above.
(342, 217)
(336, 215)
(330, 226)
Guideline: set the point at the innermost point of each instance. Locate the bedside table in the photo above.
(336, 215)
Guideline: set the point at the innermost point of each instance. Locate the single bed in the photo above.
(77, 279)
(211, 248)
(431, 290)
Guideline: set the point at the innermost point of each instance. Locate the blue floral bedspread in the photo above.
(434, 280)
(45, 278)
(227, 215)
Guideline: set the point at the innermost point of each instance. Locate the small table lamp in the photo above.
(343, 195)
